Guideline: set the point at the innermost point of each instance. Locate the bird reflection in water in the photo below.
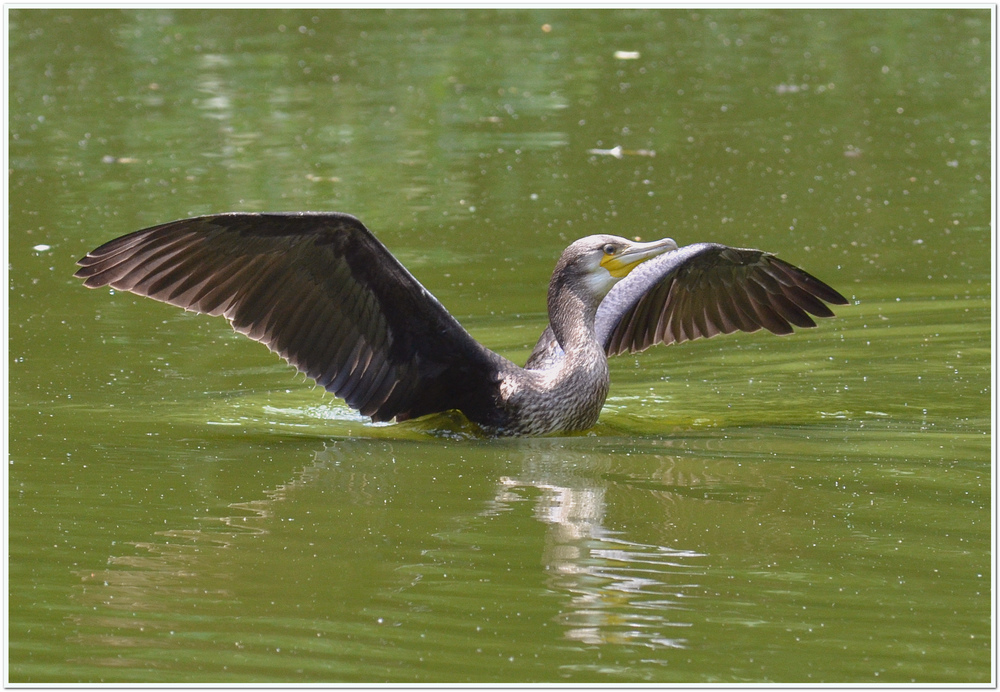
(367, 525)
(621, 591)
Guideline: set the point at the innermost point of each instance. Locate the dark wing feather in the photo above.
(703, 290)
(321, 291)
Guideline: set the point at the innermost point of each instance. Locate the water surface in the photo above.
(183, 508)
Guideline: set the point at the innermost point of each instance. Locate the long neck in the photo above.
(573, 388)
(564, 390)
(571, 315)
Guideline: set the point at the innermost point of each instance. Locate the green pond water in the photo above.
(817, 508)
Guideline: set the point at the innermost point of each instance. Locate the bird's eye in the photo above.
(610, 249)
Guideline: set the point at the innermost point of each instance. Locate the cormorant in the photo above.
(322, 292)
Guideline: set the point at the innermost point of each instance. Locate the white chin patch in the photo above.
(600, 281)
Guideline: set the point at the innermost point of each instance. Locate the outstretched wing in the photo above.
(319, 290)
(699, 291)
(707, 289)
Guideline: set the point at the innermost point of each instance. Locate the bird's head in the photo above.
(598, 262)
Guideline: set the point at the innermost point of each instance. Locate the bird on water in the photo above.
(321, 291)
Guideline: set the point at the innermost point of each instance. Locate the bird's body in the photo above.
(321, 291)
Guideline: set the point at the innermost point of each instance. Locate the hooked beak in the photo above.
(628, 259)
